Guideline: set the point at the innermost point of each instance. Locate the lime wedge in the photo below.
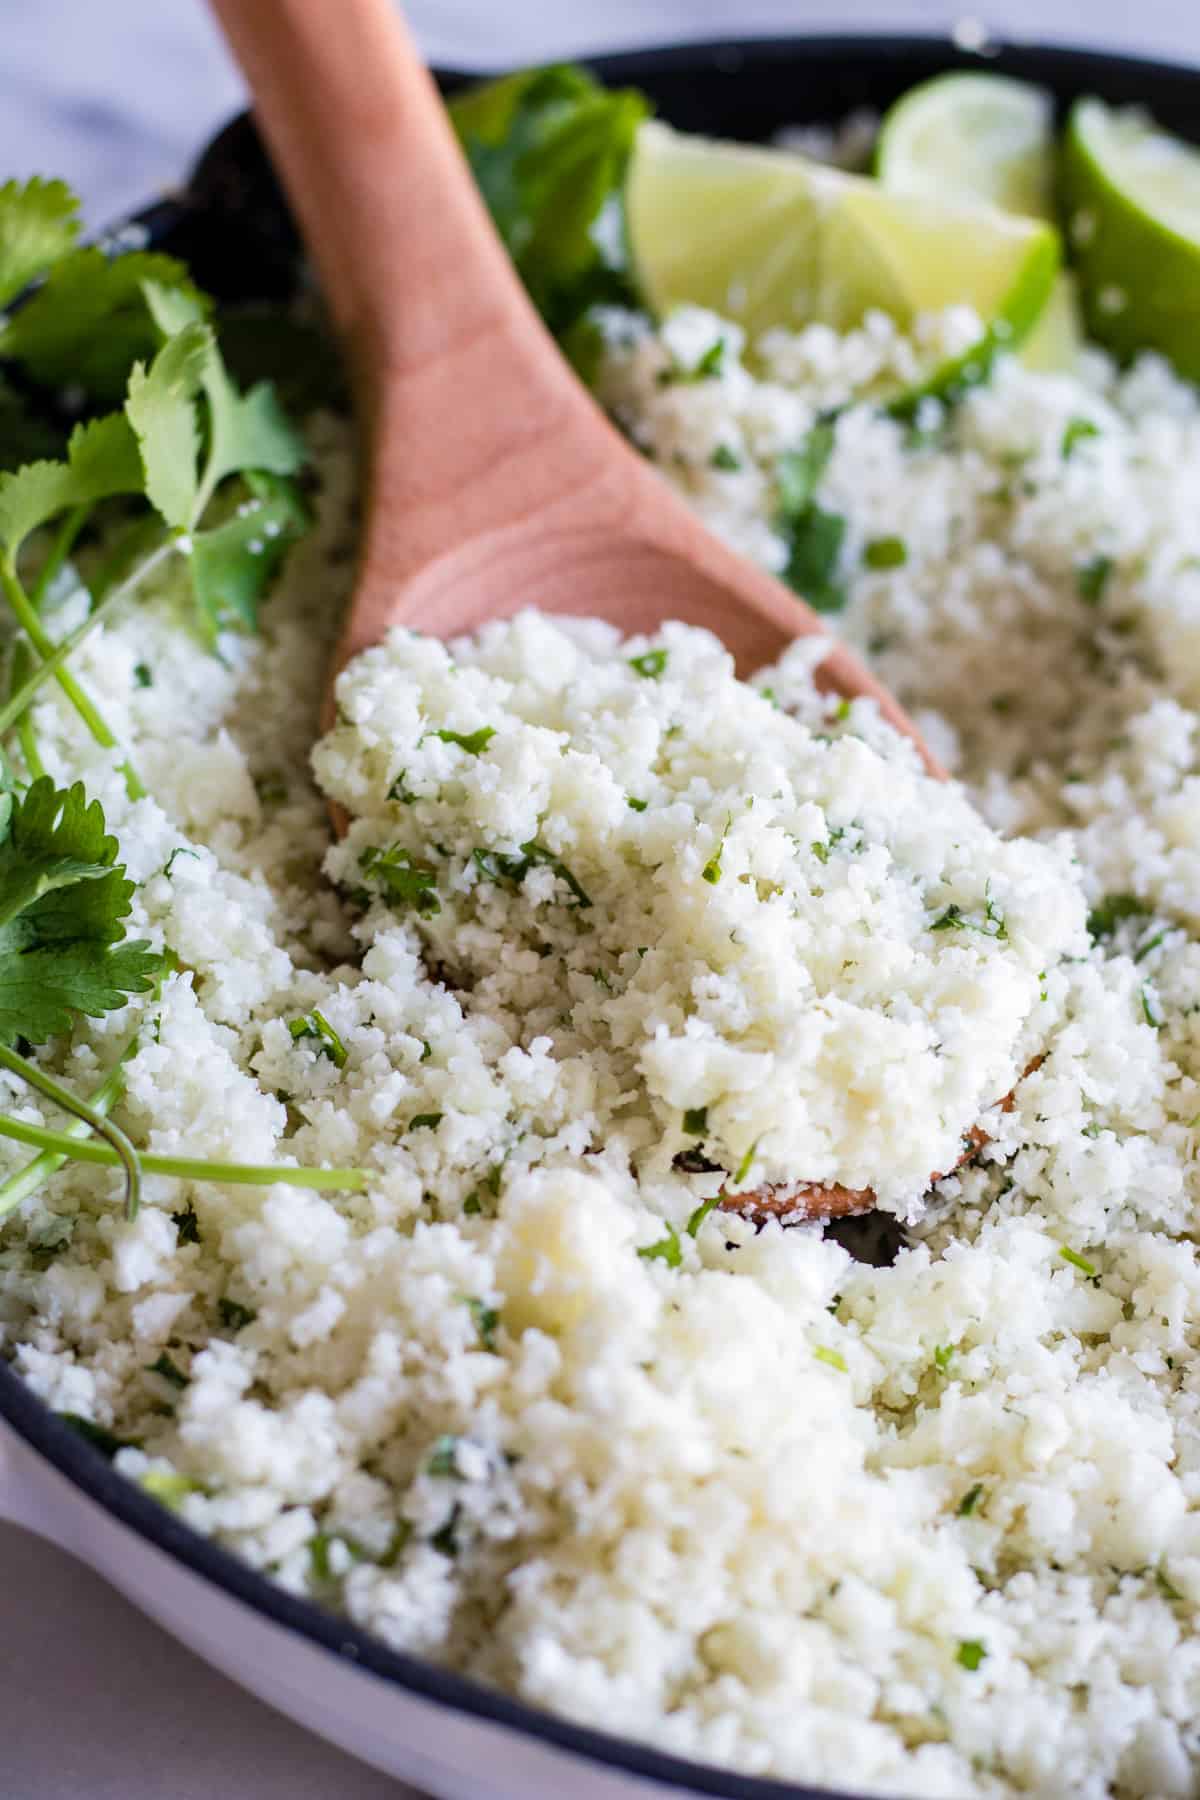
(768, 238)
(985, 139)
(1132, 210)
(972, 138)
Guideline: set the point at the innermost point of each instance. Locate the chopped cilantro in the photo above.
(315, 1025)
(187, 1225)
(1152, 1010)
(426, 1050)
(638, 806)
(970, 1500)
(234, 1316)
(701, 1213)
(971, 1653)
(885, 553)
(486, 1320)
(1104, 918)
(695, 1121)
(1079, 1262)
(725, 459)
(494, 865)
(179, 850)
(955, 919)
(746, 1164)
(473, 742)
(666, 1249)
(400, 793)
(944, 1355)
(1091, 578)
(169, 1370)
(1077, 430)
(649, 664)
(425, 1121)
(142, 676)
(445, 1539)
(820, 850)
(833, 1357)
(1152, 943)
(813, 537)
(711, 872)
(443, 1459)
(404, 879)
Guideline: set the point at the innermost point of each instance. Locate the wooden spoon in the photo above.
(493, 481)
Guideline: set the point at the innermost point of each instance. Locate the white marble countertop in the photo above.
(118, 97)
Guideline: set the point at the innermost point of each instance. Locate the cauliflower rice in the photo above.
(528, 1406)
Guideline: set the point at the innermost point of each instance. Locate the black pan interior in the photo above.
(231, 225)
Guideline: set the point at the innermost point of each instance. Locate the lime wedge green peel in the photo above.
(768, 238)
(985, 139)
(1131, 194)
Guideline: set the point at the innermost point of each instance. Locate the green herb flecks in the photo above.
(885, 553)
(1108, 914)
(1079, 1262)
(697, 1218)
(187, 1225)
(666, 1249)
(971, 1652)
(473, 742)
(233, 1315)
(169, 1369)
(695, 1121)
(315, 1025)
(496, 866)
(833, 1358)
(404, 879)
(1092, 578)
(443, 1459)
(1077, 431)
(711, 872)
(650, 664)
(970, 1500)
(725, 459)
(487, 1321)
(813, 536)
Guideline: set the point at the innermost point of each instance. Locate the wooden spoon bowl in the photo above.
(493, 481)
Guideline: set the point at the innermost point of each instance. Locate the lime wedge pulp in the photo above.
(1132, 199)
(769, 238)
(972, 138)
(985, 138)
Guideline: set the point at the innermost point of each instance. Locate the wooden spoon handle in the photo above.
(407, 258)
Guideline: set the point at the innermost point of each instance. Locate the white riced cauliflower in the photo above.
(528, 1405)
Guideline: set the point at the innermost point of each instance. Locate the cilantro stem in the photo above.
(121, 1150)
(21, 662)
(183, 1168)
(24, 1182)
(60, 549)
(58, 653)
(34, 630)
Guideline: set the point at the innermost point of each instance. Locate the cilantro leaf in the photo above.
(161, 408)
(548, 149)
(89, 322)
(102, 459)
(39, 222)
(234, 563)
(62, 907)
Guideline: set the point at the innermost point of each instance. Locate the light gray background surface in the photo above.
(117, 96)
